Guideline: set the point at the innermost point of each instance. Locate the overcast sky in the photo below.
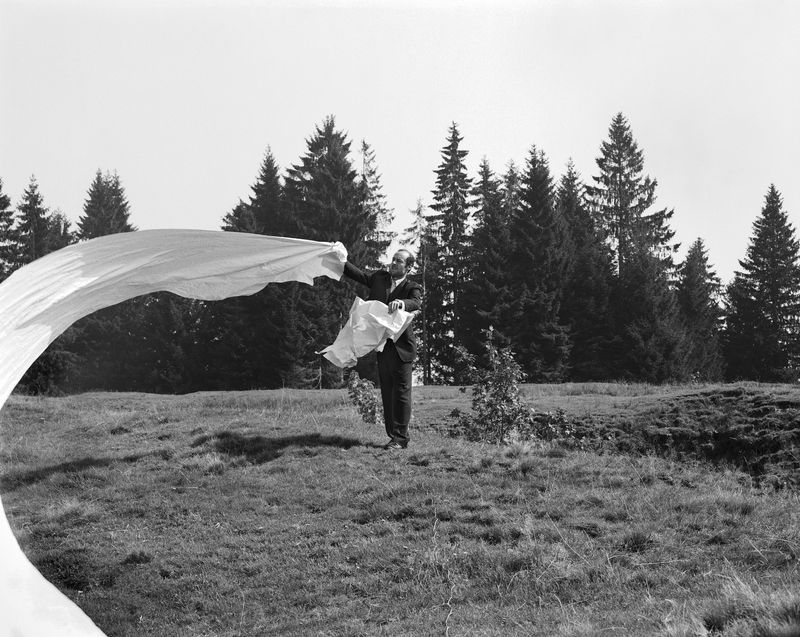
(183, 98)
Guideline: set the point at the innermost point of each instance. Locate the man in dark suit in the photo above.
(395, 361)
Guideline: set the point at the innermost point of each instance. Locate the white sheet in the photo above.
(39, 301)
(368, 328)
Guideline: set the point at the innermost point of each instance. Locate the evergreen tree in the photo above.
(161, 338)
(265, 213)
(245, 339)
(374, 202)
(59, 233)
(40, 233)
(418, 236)
(240, 219)
(447, 243)
(698, 292)
(9, 237)
(649, 342)
(623, 196)
(33, 224)
(412, 235)
(762, 339)
(106, 341)
(539, 256)
(430, 267)
(512, 186)
(485, 290)
(326, 201)
(106, 209)
(585, 306)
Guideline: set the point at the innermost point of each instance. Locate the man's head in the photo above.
(401, 264)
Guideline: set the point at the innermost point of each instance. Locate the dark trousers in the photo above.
(395, 378)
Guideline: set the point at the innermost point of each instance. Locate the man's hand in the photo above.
(395, 305)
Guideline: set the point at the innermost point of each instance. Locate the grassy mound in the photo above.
(755, 428)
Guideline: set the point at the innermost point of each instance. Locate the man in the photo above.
(395, 361)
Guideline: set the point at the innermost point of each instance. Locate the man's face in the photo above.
(397, 268)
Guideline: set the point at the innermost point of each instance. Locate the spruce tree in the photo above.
(762, 339)
(585, 305)
(418, 236)
(375, 205)
(623, 197)
(42, 232)
(698, 291)
(108, 342)
(447, 242)
(246, 337)
(485, 288)
(412, 234)
(539, 256)
(9, 237)
(649, 342)
(33, 224)
(512, 186)
(326, 202)
(265, 212)
(106, 209)
(240, 219)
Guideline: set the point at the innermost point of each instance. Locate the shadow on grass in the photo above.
(258, 449)
(15, 479)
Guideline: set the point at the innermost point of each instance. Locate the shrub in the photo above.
(362, 395)
(498, 413)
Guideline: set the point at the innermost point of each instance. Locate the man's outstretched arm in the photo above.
(352, 272)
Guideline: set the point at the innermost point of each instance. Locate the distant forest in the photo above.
(579, 280)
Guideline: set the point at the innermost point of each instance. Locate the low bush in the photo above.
(364, 397)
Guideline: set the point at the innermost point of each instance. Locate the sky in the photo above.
(182, 98)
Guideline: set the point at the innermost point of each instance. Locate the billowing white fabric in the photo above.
(368, 328)
(39, 301)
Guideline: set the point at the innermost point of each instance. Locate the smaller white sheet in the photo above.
(368, 328)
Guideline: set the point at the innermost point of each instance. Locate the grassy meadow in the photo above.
(278, 513)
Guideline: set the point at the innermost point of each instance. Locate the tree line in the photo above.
(579, 280)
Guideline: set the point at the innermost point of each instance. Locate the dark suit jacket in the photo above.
(410, 292)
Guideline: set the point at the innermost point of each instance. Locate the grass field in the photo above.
(277, 513)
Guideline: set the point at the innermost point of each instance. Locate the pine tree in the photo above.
(762, 339)
(485, 289)
(106, 209)
(539, 256)
(9, 237)
(447, 243)
(698, 291)
(585, 306)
